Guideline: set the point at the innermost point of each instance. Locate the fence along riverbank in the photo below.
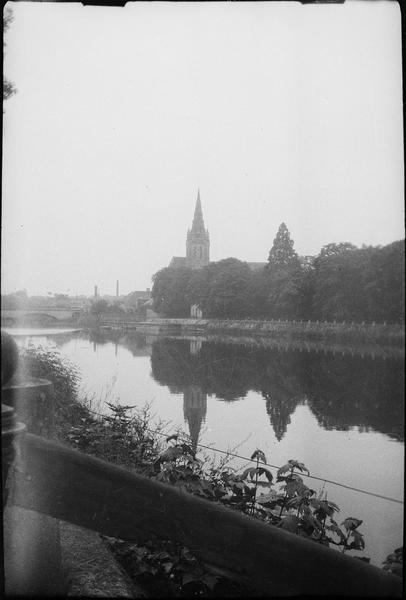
(393, 332)
(369, 338)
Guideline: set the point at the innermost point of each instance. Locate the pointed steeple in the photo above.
(197, 241)
(198, 222)
(198, 207)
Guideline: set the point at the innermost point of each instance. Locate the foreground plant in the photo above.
(165, 569)
(168, 569)
(394, 562)
(51, 365)
(293, 506)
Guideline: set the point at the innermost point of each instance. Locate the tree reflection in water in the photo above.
(341, 391)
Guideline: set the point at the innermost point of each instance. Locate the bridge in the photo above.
(38, 316)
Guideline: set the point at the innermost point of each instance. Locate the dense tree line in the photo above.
(342, 283)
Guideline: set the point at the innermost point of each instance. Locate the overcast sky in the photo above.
(277, 111)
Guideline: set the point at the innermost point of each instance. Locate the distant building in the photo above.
(138, 298)
(195, 311)
(198, 251)
(197, 243)
(198, 246)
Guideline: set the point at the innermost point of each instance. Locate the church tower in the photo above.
(197, 241)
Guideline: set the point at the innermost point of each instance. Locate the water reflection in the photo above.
(240, 391)
(341, 391)
(137, 343)
(194, 411)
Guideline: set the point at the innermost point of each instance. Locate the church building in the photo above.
(197, 243)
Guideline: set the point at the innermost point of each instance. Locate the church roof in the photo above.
(180, 261)
(177, 262)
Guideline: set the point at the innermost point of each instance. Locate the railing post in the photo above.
(10, 428)
(33, 402)
(32, 560)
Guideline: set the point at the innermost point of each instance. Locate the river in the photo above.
(342, 415)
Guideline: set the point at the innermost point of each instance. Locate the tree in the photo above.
(338, 290)
(359, 284)
(61, 299)
(223, 289)
(9, 302)
(98, 308)
(284, 278)
(169, 291)
(259, 293)
(198, 290)
(282, 254)
(8, 87)
(384, 283)
(287, 293)
(331, 250)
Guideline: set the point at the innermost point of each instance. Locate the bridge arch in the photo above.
(38, 318)
(8, 322)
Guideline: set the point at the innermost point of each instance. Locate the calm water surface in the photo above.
(340, 415)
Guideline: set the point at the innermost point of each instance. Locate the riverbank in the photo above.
(333, 347)
(129, 442)
(316, 331)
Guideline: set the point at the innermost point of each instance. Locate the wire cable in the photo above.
(232, 454)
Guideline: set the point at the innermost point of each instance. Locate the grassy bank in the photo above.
(315, 331)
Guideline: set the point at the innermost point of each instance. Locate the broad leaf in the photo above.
(290, 523)
(283, 470)
(267, 473)
(335, 528)
(267, 498)
(259, 455)
(296, 487)
(358, 541)
(248, 472)
(312, 521)
(210, 580)
(364, 559)
(299, 465)
(351, 523)
(171, 454)
(167, 567)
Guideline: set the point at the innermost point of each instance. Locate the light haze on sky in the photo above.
(276, 111)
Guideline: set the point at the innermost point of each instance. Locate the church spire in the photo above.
(198, 222)
(197, 241)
